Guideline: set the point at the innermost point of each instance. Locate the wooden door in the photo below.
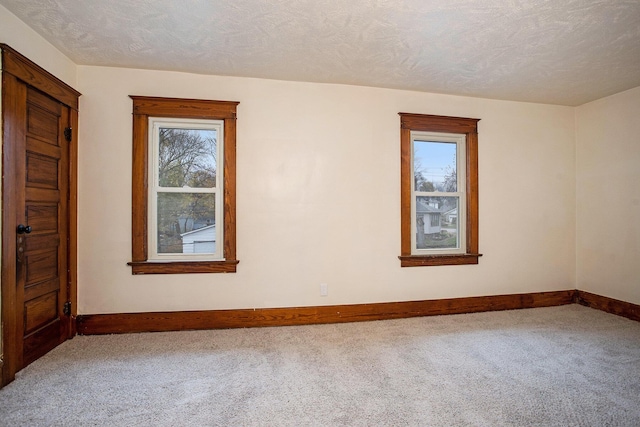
(38, 222)
(42, 208)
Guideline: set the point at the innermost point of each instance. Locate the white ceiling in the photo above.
(551, 51)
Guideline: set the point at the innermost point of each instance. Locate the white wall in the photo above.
(608, 196)
(318, 196)
(318, 192)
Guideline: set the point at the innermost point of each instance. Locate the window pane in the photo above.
(186, 223)
(187, 157)
(437, 225)
(434, 166)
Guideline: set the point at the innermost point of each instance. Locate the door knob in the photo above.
(22, 229)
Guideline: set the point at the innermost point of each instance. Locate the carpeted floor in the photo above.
(559, 366)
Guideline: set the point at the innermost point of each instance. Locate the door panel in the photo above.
(43, 218)
(40, 342)
(36, 242)
(42, 288)
(42, 170)
(43, 113)
(40, 311)
(40, 266)
(42, 123)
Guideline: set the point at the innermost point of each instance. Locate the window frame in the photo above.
(468, 127)
(144, 108)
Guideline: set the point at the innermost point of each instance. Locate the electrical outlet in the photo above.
(324, 289)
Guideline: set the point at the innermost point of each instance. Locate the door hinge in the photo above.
(67, 134)
(66, 309)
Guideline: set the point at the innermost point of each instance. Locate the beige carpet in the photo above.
(559, 366)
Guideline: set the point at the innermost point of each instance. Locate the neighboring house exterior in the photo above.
(200, 241)
(430, 218)
(451, 216)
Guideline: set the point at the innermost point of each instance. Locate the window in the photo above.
(183, 218)
(435, 220)
(438, 187)
(184, 189)
(439, 190)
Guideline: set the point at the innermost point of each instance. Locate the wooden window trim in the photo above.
(143, 108)
(430, 123)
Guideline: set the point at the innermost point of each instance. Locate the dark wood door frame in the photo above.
(16, 67)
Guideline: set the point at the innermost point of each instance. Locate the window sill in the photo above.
(183, 267)
(429, 260)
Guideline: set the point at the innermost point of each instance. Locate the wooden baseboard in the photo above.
(95, 324)
(610, 305)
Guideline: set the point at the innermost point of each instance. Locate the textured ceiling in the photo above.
(552, 51)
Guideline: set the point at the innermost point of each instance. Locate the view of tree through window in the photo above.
(187, 157)
(187, 168)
